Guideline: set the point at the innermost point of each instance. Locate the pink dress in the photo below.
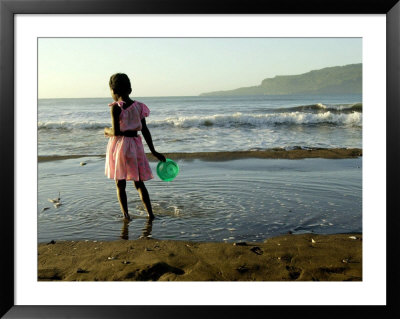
(125, 157)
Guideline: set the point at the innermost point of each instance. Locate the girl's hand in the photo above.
(106, 132)
(159, 156)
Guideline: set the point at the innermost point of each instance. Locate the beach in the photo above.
(211, 200)
(277, 153)
(305, 257)
(300, 220)
(269, 189)
(273, 215)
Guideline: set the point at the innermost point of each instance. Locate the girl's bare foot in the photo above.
(127, 217)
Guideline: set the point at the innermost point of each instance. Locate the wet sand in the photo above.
(300, 257)
(276, 153)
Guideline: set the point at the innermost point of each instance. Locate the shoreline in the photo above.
(290, 257)
(275, 153)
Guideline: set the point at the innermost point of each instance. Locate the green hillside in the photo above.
(332, 80)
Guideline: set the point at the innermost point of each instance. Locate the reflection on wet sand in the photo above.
(146, 230)
(148, 227)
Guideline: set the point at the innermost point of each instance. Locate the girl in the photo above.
(125, 157)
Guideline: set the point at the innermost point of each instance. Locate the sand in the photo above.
(275, 153)
(300, 257)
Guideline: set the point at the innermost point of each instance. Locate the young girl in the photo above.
(125, 157)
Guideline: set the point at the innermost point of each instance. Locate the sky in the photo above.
(81, 67)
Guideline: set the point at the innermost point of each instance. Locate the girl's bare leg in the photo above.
(123, 202)
(144, 196)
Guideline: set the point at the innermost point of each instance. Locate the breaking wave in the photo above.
(334, 108)
(68, 126)
(262, 120)
(233, 120)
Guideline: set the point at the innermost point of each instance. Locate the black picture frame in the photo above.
(8, 9)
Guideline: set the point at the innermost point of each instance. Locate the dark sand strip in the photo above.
(278, 153)
(305, 257)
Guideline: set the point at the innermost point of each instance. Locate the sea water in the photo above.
(193, 124)
(233, 200)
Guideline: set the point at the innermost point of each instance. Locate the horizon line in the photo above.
(106, 97)
(202, 96)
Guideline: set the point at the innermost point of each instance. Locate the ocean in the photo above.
(231, 200)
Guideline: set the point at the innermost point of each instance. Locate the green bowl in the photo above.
(167, 170)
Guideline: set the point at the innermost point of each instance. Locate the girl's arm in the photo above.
(147, 136)
(115, 129)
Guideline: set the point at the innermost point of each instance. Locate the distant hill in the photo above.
(337, 79)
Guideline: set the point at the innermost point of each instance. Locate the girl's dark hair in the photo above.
(120, 84)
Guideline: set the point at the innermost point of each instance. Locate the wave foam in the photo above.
(260, 120)
(337, 108)
(226, 121)
(65, 125)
